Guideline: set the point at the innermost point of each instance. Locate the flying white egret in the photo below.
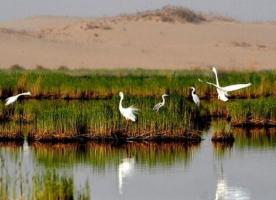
(125, 170)
(128, 113)
(195, 97)
(160, 104)
(223, 91)
(13, 99)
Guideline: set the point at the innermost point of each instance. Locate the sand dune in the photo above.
(153, 39)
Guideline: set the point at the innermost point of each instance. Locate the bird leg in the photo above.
(127, 125)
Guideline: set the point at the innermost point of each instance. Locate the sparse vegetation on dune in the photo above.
(171, 14)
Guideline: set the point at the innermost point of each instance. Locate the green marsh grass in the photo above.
(240, 110)
(102, 117)
(73, 118)
(107, 83)
(95, 110)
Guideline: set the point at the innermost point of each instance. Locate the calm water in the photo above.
(248, 10)
(243, 171)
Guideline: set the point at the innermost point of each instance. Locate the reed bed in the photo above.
(101, 119)
(83, 120)
(222, 132)
(245, 110)
(85, 84)
(83, 104)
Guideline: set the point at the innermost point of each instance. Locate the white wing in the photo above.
(236, 87)
(157, 107)
(218, 87)
(130, 113)
(10, 100)
(196, 99)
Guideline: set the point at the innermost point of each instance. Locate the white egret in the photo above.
(128, 113)
(125, 170)
(223, 91)
(160, 104)
(13, 99)
(195, 97)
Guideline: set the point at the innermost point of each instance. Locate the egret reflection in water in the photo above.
(226, 192)
(125, 170)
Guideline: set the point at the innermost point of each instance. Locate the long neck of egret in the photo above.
(193, 90)
(216, 75)
(24, 93)
(121, 100)
(163, 97)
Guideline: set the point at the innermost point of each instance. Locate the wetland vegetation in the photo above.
(68, 105)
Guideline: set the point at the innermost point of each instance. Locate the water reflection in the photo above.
(125, 170)
(102, 156)
(62, 171)
(226, 192)
(255, 138)
(107, 171)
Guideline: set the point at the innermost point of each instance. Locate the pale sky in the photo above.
(246, 10)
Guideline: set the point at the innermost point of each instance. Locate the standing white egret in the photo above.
(195, 97)
(125, 169)
(13, 99)
(223, 91)
(160, 104)
(128, 113)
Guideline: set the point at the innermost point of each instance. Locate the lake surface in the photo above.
(247, 10)
(244, 170)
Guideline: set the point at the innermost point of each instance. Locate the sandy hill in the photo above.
(172, 37)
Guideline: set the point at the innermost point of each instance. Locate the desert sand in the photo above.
(143, 40)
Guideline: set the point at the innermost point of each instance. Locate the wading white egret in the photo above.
(13, 99)
(223, 91)
(128, 113)
(195, 97)
(125, 170)
(160, 104)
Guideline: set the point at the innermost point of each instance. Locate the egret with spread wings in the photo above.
(223, 91)
(128, 113)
